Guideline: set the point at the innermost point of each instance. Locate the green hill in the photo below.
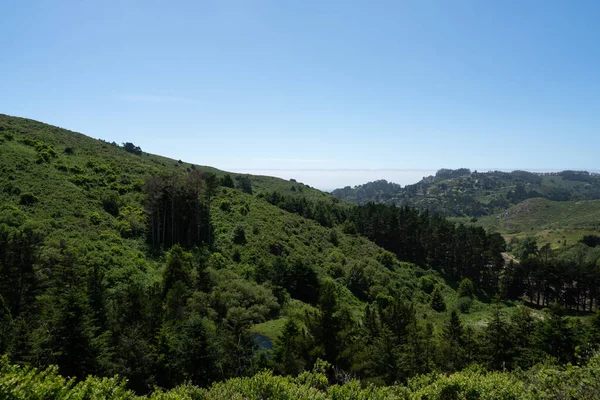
(118, 262)
(553, 222)
(462, 193)
(73, 223)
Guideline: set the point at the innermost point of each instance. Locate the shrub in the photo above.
(464, 304)
(225, 206)
(466, 288)
(427, 283)
(244, 210)
(239, 235)
(28, 199)
(95, 218)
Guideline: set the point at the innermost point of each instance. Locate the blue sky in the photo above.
(333, 93)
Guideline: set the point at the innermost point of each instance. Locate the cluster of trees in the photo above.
(380, 191)
(132, 148)
(389, 343)
(570, 277)
(91, 312)
(458, 250)
(178, 208)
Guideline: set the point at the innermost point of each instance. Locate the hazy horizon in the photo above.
(315, 85)
(328, 180)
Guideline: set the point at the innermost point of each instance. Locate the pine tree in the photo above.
(6, 326)
(453, 343)
(497, 345)
(437, 300)
(288, 350)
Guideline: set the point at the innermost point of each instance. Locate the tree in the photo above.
(288, 349)
(239, 235)
(6, 327)
(437, 300)
(131, 148)
(244, 183)
(178, 268)
(453, 343)
(497, 341)
(555, 335)
(466, 288)
(195, 351)
(227, 181)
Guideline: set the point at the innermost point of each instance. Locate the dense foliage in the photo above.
(541, 382)
(117, 262)
(460, 192)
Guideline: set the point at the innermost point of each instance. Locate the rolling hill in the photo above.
(118, 262)
(462, 193)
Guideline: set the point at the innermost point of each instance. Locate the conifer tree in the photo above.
(437, 300)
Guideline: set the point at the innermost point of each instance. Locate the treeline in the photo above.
(458, 250)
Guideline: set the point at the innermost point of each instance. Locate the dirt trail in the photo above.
(508, 258)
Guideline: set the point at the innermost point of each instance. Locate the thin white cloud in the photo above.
(155, 99)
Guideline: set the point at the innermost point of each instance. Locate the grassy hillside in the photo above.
(163, 272)
(550, 222)
(80, 204)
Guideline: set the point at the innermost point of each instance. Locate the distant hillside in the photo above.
(554, 222)
(462, 193)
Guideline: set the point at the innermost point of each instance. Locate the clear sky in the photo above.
(312, 89)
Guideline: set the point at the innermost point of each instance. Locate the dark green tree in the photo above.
(288, 350)
(497, 343)
(6, 327)
(437, 300)
(453, 343)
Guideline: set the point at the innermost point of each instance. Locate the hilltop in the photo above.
(463, 193)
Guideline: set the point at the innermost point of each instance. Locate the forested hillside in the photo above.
(117, 262)
(462, 192)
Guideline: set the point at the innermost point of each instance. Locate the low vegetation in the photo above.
(210, 284)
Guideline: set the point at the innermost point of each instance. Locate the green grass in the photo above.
(551, 222)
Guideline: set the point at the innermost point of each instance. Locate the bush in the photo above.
(427, 284)
(95, 218)
(466, 288)
(225, 206)
(28, 199)
(349, 228)
(239, 235)
(244, 210)
(464, 304)
(110, 203)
